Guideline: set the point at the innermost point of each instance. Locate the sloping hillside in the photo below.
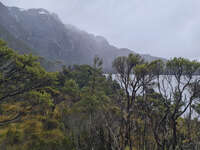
(44, 34)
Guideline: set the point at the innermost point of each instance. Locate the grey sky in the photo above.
(165, 28)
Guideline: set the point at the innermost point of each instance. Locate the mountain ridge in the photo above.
(47, 36)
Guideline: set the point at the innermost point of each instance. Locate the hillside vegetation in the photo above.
(79, 108)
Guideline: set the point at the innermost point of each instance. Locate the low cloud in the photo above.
(164, 28)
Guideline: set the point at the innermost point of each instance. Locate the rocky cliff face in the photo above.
(45, 34)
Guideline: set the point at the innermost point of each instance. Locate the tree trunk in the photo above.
(174, 135)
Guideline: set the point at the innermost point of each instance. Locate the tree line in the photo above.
(79, 108)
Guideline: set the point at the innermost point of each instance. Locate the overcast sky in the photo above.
(165, 28)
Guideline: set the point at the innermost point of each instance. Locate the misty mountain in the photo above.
(43, 33)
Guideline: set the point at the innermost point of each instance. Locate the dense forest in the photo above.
(80, 108)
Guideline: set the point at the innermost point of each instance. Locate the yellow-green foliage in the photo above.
(79, 108)
(34, 134)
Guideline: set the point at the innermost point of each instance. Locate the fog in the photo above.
(164, 28)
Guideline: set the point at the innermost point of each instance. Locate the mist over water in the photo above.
(168, 85)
